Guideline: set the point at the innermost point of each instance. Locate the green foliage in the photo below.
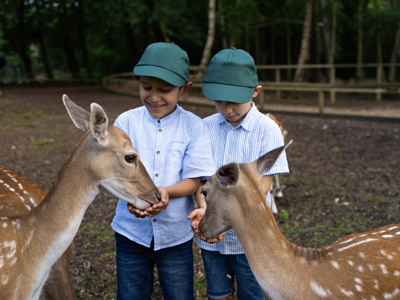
(84, 37)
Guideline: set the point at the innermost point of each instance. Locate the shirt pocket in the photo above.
(175, 155)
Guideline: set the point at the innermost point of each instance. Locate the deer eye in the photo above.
(130, 158)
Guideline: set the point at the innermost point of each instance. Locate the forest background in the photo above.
(94, 38)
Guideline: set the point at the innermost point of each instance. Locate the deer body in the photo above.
(358, 266)
(18, 196)
(30, 244)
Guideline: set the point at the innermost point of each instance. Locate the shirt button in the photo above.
(227, 155)
(158, 121)
(156, 174)
(231, 131)
(154, 220)
(158, 152)
(159, 130)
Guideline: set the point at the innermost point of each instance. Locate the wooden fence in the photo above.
(127, 83)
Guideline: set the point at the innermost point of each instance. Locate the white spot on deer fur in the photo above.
(1, 181)
(20, 186)
(28, 241)
(376, 284)
(4, 279)
(12, 190)
(391, 228)
(360, 268)
(383, 267)
(12, 247)
(396, 273)
(33, 202)
(358, 288)
(25, 192)
(347, 293)
(319, 290)
(398, 232)
(349, 240)
(28, 207)
(335, 264)
(6, 185)
(391, 295)
(382, 231)
(5, 224)
(12, 262)
(358, 243)
(386, 236)
(351, 263)
(361, 254)
(358, 280)
(370, 267)
(1, 261)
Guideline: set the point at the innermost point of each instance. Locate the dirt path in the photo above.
(344, 175)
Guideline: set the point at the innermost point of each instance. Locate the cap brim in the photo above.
(231, 93)
(161, 73)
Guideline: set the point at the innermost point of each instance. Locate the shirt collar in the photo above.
(165, 120)
(247, 122)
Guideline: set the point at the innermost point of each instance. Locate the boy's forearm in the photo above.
(183, 188)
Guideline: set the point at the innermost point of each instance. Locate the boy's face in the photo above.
(160, 97)
(233, 112)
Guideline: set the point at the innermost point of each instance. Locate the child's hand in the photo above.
(138, 213)
(214, 240)
(159, 207)
(196, 217)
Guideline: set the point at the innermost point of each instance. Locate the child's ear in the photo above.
(257, 90)
(185, 88)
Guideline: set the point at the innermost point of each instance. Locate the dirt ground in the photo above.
(344, 175)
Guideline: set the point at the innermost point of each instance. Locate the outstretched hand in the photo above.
(196, 217)
(153, 210)
(214, 240)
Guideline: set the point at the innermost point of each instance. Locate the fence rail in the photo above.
(128, 83)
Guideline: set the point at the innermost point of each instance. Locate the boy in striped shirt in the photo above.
(239, 132)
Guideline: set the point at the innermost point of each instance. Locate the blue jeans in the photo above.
(135, 264)
(219, 286)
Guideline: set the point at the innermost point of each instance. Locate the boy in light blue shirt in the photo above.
(174, 147)
(240, 133)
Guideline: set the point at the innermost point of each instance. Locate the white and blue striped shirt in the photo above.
(254, 136)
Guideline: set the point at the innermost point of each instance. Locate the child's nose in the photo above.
(155, 97)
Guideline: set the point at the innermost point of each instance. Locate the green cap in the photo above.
(231, 76)
(165, 61)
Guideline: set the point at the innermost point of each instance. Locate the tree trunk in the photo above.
(378, 39)
(43, 51)
(234, 35)
(392, 76)
(210, 39)
(304, 52)
(23, 47)
(82, 39)
(325, 32)
(360, 40)
(224, 41)
(333, 35)
(314, 46)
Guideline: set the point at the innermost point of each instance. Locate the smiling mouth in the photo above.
(155, 106)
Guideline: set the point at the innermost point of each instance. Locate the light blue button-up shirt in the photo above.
(254, 136)
(172, 149)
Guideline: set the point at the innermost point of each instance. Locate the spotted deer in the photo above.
(358, 266)
(30, 244)
(18, 196)
(277, 191)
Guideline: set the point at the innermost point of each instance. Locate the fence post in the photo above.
(332, 82)
(321, 101)
(278, 80)
(379, 80)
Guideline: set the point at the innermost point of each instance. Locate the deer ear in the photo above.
(79, 116)
(228, 175)
(266, 162)
(98, 123)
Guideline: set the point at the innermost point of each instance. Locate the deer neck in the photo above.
(261, 237)
(63, 209)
